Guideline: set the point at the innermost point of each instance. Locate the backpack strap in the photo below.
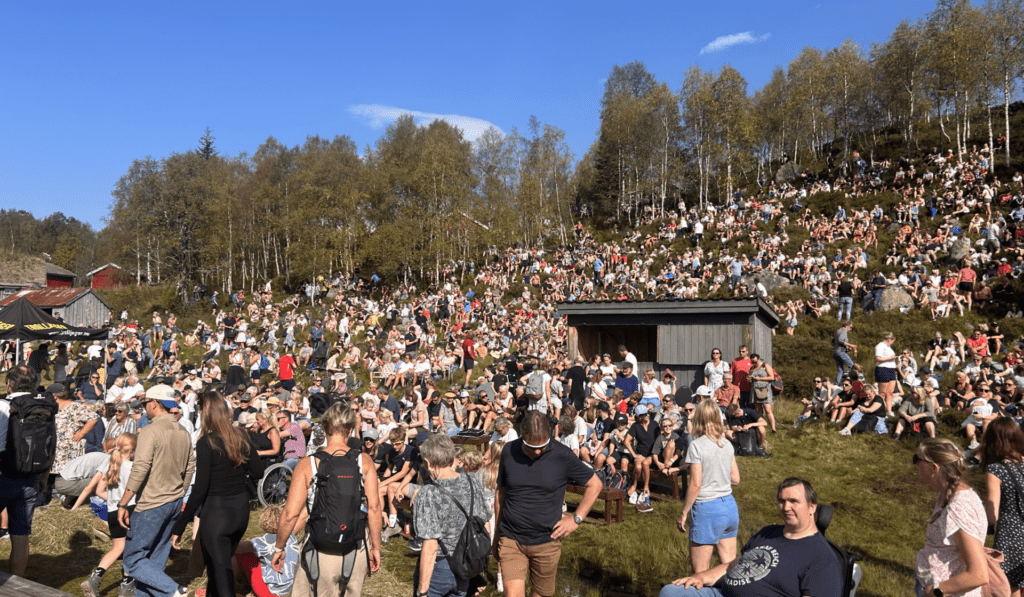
(459, 505)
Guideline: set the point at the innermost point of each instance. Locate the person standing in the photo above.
(17, 491)
(760, 378)
(576, 380)
(74, 421)
(740, 368)
(952, 561)
(1002, 459)
(160, 475)
(226, 460)
(885, 370)
(630, 358)
(845, 297)
(841, 349)
(713, 471)
(439, 521)
(327, 575)
(468, 356)
(714, 370)
(532, 476)
(286, 371)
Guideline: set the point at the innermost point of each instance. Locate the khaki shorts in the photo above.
(541, 561)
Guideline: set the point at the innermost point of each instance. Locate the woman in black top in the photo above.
(225, 461)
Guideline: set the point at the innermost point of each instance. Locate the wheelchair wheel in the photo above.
(273, 487)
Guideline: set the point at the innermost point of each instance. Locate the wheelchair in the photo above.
(273, 487)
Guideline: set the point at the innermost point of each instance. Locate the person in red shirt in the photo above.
(978, 343)
(286, 371)
(965, 284)
(468, 356)
(739, 369)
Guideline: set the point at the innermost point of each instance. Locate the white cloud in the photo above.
(727, 41)
(378, 116)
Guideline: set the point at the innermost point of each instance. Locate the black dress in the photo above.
(1010, 528)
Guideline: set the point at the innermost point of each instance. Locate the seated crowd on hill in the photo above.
(411, 360)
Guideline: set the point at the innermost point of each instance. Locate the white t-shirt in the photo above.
(508, 437)
(114, 494)
(885, 351)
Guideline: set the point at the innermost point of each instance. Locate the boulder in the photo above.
(892, 228)
(333, 293)
(789, 172)
(771, 280)
(958, 250)
(894, 298)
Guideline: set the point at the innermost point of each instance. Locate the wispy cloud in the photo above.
(378, 116)
(727, 41)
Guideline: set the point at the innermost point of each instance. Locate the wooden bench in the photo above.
(471, 441)
(12, 586)
(611, 497)
(669, 484)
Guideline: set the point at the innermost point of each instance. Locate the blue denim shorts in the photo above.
(714, 520)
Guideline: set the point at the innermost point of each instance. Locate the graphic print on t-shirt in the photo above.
(754, 565)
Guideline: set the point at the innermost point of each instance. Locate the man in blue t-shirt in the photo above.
(791, 559)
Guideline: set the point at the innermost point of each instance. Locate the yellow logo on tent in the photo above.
(38, 327)
(6, 326)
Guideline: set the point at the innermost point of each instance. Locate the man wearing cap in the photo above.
(630, 358)
(74, 420)
(727, 393)
(161, 472)
(532, 475)
(245, 403)
(640, 443)
(449, 416)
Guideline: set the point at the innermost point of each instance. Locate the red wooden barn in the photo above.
(107, 276)
(58, 277)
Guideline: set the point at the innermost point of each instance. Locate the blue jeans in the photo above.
(147, 546)
(847, 302)
(881, 428)
(443, 582)
(453, 431)
(843, 362)
(674, 591)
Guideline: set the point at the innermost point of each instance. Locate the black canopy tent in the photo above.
(21, 320)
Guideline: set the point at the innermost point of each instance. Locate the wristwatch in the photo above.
(280, 549)
(419, 593)
(936, 591)
(576, 518)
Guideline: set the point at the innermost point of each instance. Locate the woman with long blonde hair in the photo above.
(713, 472)
(112, 482)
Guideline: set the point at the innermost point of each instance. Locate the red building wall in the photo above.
(58, 282)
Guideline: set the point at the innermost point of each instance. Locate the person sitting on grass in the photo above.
(868, 415)
(739, 420)
(791, 559)
(845, 401)
(253, 557)
(917, 414)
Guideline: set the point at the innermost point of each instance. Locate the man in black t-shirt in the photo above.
(739, 420)
(791, 560)
(532, 476)
(640, 443)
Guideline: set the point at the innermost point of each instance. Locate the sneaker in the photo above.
(392, 519)
(644, 507)
(844, 431)
(5, 535)
(416, 545)
(633, 497)
(126, 589)
(91, 586)
(890, 415)
(973, 445)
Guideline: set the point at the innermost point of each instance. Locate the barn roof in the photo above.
(101, 268)
(669, 307)
(56, 270)
(51, 297)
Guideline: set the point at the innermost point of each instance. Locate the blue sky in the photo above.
(86, 87)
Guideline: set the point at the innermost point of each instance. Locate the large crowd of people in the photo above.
(386, 369)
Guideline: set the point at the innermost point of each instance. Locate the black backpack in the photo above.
(337, 524)
(474, 546)
(31, 435)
